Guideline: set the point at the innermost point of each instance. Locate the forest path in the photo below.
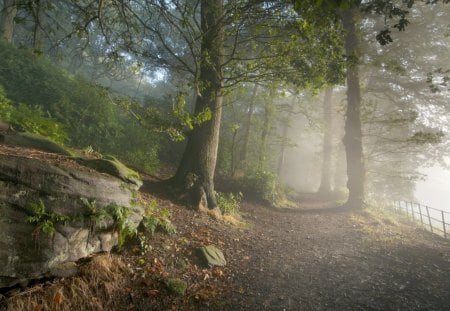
(336, 261)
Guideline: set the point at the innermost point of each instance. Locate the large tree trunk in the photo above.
(7, 16)
(195, 173)
(353, 134)
(325, 181)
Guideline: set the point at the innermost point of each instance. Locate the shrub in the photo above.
(158, 219)
(56, 102)
(31, 119)
(262, 184)
(124, 227)
(45, 221)
(229, 203)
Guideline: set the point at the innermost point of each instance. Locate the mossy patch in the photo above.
(34, 141)
(110, 165)
(176, 286)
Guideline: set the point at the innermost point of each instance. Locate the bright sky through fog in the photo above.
(435, 190)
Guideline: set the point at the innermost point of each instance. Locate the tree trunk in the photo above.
(268, 112)
(38, 10)
(233, 153)
(7, 16)
(195, 173)
(340, 168)
(284, 138)
(243, 160)
(325, 181)
(353, 133)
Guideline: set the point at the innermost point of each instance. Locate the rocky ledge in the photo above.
(53, 213)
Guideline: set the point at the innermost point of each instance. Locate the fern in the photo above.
(97, 216)
(155, 218)
(45, 221)
(123, 224)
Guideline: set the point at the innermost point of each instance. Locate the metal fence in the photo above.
(432, 219)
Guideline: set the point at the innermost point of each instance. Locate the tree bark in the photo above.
(7, 16)
(353, 133)
(325, 181)
(196, 170)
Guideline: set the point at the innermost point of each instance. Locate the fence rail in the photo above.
(431, 218)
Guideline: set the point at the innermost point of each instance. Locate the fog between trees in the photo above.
(236, 88)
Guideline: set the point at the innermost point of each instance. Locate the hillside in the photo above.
(281, 260)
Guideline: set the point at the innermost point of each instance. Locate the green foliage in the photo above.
(176, 286)
(263, 185)
(80, 106)
(30, 119)
(157, 218)
(229, 202)
(55, 102)
(422, 137)
(124, 227)
(45, 221)
(186, 120)
(96, 216)
(5, 106)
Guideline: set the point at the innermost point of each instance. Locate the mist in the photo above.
(434, 190)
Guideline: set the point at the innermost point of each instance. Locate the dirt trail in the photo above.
(336, 261)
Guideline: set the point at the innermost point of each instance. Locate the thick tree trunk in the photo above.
(196, 170)
(353, 133)
(325, 181)
(248, 124)
(7, 16)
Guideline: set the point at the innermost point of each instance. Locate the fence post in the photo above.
(429, 219)
(420, 212)
(443, 224)
(406, 209)
(412, 211)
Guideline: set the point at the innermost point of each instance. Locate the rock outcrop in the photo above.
(59, 189)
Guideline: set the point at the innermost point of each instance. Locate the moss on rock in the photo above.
(34, 141)
(111, 166)
(176, 286)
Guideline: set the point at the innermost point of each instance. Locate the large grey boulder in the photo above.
(26, 253)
